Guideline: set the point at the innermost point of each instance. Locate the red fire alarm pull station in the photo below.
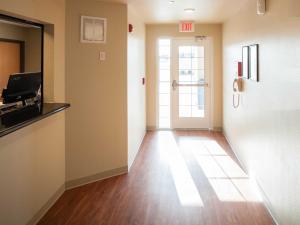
(130, 28)
(240, 69)
(186, 26)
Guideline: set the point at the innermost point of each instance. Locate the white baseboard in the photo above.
(140, 145)
(151, 128)
(265, 199)
(96, 177)
(215, 129)
(72, 184)
(44, 209)
(266, 202)
(218, 129)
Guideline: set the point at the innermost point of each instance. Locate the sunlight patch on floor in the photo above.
(227, 178)
(214, 148)
(189, 145)
(248, 188)
(230, 167)
(187, 191)
(226, 191)
(209, 166)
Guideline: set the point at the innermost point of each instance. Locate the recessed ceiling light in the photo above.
(171, 1)
(189, 10)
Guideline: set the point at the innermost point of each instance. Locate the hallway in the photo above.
(178, 178)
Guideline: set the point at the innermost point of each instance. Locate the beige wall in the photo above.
(265, 130)
(97, 90)
(31, 169)
(136, 91)
(32, 165)
(8, 31)
(49, 66)
(33, 50)
(153, 33)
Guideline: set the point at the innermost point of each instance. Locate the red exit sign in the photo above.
(186, 26)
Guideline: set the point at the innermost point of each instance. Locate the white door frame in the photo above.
(189, 123)
(211, 74)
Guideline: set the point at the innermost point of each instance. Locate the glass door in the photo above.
(190, 84)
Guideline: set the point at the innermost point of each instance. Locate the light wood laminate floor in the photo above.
(178, 178)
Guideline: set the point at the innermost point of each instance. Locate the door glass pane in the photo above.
(185, 76)
(164, 75)
(164, 42)
(197, 111)
(185, 111)
(198, 101)
(197, 63)
(198, 76)
(164, 87)
(164, 56)
(195, 99)
(185, 90)
(164, 63)
(195, 90)
(185, 51)
(164, 99)
(164, 111)
(198, 98)
(185, 63)
(198, 51)
(164, 52)
(191, 71)
(185, 99)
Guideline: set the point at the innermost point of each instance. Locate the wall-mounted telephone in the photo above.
(237, 88)
(238, 85)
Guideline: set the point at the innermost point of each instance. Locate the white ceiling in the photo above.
(206, 11)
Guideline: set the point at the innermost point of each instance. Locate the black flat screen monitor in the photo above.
(22, 86)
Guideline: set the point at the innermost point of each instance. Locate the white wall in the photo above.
(136, 91)
(265, 130)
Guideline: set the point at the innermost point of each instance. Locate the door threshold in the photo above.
(192, 129)
(181, 129)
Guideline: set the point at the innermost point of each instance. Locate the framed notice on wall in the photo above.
(93, 29)
(245, 66)
(254, 62)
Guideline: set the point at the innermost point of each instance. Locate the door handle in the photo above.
(175, 84)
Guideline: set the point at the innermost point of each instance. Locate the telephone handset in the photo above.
(237, 88)
(238, 85)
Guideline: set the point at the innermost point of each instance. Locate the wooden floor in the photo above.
(178, 178)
